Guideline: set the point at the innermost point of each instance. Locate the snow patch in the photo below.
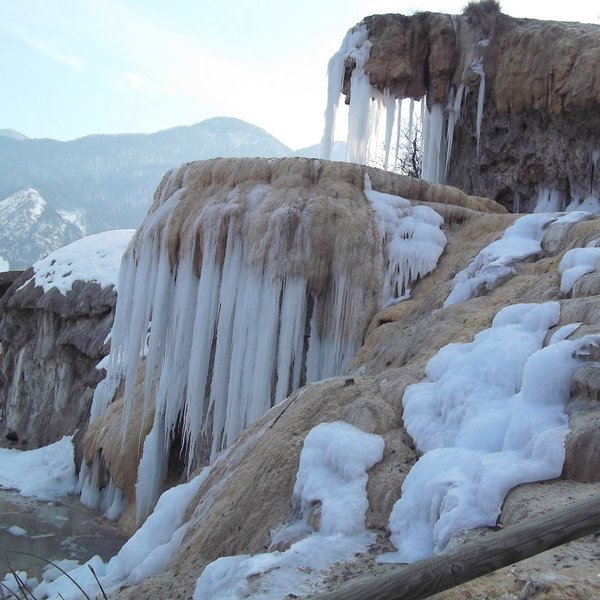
(75, 217)
(29, 197)
(16, 531)
(275, 575)
(496, 261)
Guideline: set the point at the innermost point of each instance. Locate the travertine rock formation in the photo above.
(275, 268)
(540, 130)
(247, 495)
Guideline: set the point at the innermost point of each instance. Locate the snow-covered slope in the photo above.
(30, 228)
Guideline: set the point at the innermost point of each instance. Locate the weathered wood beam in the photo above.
(496, 550)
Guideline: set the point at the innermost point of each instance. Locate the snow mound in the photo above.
(333, 470)
(46, 473)
(575, 264)
(93, 258)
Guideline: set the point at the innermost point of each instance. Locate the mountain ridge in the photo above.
(110, 178)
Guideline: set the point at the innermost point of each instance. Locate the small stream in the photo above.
(53, 531)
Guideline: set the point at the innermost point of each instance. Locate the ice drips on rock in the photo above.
(489, 416)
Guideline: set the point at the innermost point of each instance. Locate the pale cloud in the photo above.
(142, 84)
(47, 47)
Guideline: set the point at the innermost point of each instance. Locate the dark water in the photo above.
(54, 531)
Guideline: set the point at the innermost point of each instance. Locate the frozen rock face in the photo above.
(529, 123)
(51, 344)
(54, 322)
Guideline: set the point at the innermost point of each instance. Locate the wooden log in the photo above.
(494, 551)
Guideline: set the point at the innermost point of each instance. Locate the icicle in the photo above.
(517, 203)
(480, 99)
(355, 46)
(360, 118)
(549, 200)
(366, 102)
(390, 107)
(398, 132)
(424, 129)
(477, 67)
(411, 116)
(204, 332)
(432, 147)
(151, 472)
(589, 204)
(453, 115)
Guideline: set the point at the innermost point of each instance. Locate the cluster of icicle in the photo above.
(554, 200)
(234, 324)
(368, 105)
(412, 241)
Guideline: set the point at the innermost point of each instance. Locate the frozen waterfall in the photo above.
(233, 296)
(375, 112)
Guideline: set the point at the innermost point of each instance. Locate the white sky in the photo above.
(73, 67)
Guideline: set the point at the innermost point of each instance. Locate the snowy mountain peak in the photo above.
(13, 134)
(28, 199)
(30, 228)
